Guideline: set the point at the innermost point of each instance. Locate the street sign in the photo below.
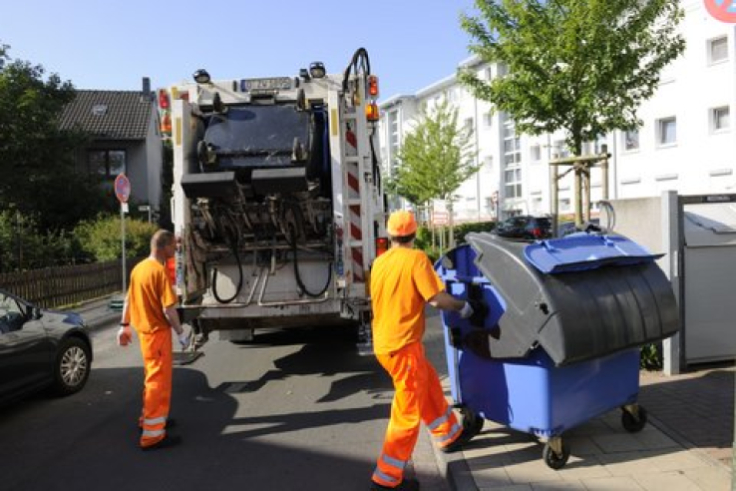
(440, 218)
(122, 188)
(722, 10)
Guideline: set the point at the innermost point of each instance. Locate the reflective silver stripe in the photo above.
(152, 433)
(155, 421)
(442, 419)
(456, 429)
(384, 477)
(399, 464)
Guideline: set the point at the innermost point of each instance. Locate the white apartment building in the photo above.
(687, 142)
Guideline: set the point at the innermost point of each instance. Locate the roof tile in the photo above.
(118, 115)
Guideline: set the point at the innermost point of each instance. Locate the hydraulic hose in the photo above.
(233, 242)
(292, 236)
(359, 58)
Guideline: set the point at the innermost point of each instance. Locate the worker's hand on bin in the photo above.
(125, 336)
(466, 311)
(183, 339)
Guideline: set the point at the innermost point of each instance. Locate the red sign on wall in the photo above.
(722, 10)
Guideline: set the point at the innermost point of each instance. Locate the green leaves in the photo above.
(580, 65)
(436, 157)
(36, 157)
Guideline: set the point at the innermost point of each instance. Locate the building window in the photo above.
(107, 163)
(667, 131)
(536, 153)
(560, 150)
(489, 75)
(720, 119)
(718, 49)
(631, 140)
(393, 137)
(487, 119)
(511, 160)
(512, 183)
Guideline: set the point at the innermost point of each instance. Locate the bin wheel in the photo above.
(631, 423)
(553, 459)
(472, 422)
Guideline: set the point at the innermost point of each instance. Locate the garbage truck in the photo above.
(277, 198)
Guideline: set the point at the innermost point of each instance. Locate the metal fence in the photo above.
(66, 285)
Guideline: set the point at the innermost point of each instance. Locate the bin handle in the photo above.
(547, 245)
(474, 280)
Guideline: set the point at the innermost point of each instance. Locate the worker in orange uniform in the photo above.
(402, 282)
(150, 307)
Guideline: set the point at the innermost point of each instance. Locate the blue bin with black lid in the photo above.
(560, 342)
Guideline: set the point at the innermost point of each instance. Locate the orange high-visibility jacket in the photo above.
(149, 294)
(402, 281)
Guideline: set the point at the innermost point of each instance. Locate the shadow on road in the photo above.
(327, 351)
(89, 441)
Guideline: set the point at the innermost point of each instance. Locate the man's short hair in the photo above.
(161, 239)
(403, 239)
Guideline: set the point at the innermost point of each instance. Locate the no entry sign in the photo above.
(722, 10)
(122, 188)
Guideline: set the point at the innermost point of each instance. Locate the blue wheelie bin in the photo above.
(559, 343)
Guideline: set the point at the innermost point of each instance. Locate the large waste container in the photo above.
(560, 342)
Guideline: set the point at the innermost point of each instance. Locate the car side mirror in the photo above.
(36, 313)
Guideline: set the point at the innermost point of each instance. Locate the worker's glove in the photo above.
(125, 336)
(466, 311)
(184, 339)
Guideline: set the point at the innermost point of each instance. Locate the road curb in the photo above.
(97, 313)
(455, 470)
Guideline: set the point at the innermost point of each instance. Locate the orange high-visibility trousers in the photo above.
(418, 398)
(157, 364)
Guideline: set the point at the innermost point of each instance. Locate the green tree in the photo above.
(436, 157)
(36, 156)
(583, 66)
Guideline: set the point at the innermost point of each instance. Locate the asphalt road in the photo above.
(295, 410)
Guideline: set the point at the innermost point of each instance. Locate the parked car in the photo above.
(525, 227)
(567, 228)
(41, 349)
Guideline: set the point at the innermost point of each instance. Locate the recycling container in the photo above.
(559, 344)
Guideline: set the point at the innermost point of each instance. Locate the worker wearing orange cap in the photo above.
(402, 282)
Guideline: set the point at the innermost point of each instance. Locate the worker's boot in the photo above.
(406, 485)
(458, 443)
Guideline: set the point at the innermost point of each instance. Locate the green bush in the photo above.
(461, 230)
(23, 247)
(424, 236)
(101, 238)
(651, 357)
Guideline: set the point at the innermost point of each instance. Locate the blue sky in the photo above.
(112, 44)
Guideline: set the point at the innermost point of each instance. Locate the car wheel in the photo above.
(72, 366)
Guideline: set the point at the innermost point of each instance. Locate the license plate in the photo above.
(257, 84)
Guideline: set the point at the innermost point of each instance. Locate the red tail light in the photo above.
(163, 99)
(373, 85)
(381, 245)
(537, 232)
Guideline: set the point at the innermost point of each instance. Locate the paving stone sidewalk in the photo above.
(685, 446)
